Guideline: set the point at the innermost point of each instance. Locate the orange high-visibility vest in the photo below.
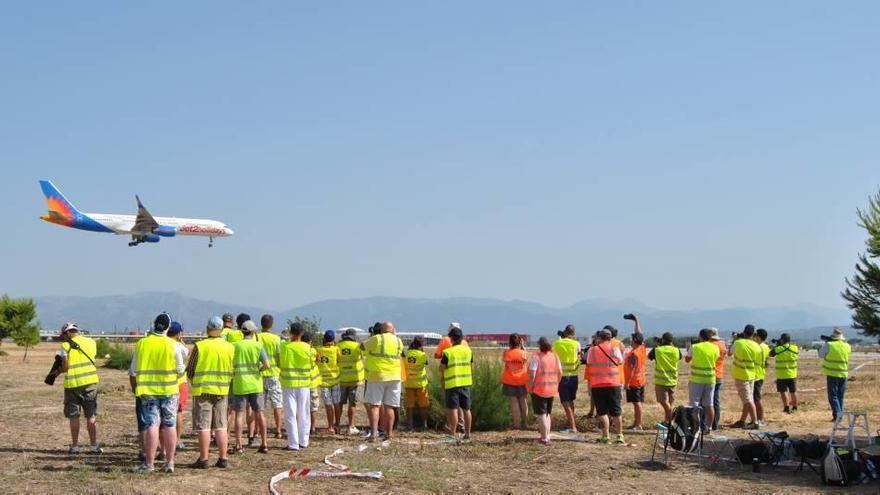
(547, 375)
(514, 368)
(634, 373)
(603, 370)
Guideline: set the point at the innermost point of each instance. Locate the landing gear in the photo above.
(210, 242)
(135, 240)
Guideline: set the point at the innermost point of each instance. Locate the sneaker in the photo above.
(200, 464)
(738, 424)
(180, 446)
(619, 439)
(786, 410)
(143, 469)
(604, 440)
(373, 438)
(565, 429)
(251, 442)
(222, 463)
(466, 437)
(793, 408)
(73, 450)
(635, 428)
(168, 468)
(752, 426)
(543, 441)
(366, 434)
(95, 449)
(352, 430)
(264, 449)
(292, 449)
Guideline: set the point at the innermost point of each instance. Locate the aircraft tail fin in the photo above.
(60, 209)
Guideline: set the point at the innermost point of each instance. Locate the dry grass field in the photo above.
(34, 438)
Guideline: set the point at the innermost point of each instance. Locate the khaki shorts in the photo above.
(209, 412)
(85, 398)
(746, 390)
(664, 392)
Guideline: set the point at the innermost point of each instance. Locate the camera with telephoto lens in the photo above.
(825, 338)
(629, 316)
(559, 333)
(53, 373)
(737, 335)
(775, 341)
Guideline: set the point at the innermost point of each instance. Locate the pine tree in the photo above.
(17, 321)
(863, 290)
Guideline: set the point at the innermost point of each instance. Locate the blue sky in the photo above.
(686, 154)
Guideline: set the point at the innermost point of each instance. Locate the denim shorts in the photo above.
(158, 410)
(568, 387)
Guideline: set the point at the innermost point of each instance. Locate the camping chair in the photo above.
(684, 434)
(809, 450)
(775, 442)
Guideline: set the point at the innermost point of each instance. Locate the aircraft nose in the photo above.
(228, 231)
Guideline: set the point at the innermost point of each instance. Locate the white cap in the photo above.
(454, 324)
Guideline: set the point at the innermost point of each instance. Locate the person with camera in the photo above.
(761, 373)
(153, 374)
(77, 362)
(444, 344)
(603, 361)
(568, 349)
(786, 355)
(351, 375)
(249, 360)
(545, 372)
(634, 372)
(210, 370)
(416, 385)
(666, 357)
(834, 354)
(383, 351)
(703, 356)
(457, 368)
(746, 354)
(719, 376)
(514, 379)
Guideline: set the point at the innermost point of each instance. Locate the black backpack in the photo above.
(685, 434)
(748, 452)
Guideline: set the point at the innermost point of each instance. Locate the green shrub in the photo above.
(120, 357)
(102, 348)
(490, 407)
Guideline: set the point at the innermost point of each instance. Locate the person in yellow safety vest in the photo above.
(271, 383)
(296, 362)
(230, 333)
(760, 374)
(456, 368)
(249, 361)
(416, 384)
(384, 363)
(568, 349)
(210, 371)
(746, 354)
(314, 383)
(702, 356)
(77, 357)
(351, 375)
(175, 333)
(153, 374)
(666, 357)
(328, 365)
(786, 355)
(834, 354)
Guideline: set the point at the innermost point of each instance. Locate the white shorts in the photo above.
(379, 393)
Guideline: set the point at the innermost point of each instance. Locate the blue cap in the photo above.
(215, 323)
(175, 328)
(329, 335)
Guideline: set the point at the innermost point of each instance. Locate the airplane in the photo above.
(142, 227)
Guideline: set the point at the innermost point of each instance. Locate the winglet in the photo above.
(140, 205)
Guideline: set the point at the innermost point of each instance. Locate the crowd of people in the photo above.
(239, 372)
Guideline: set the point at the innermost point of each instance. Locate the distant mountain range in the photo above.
(119, 313)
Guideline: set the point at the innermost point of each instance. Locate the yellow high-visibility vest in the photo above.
(666, 365)
(703, 358)
(836, 362)
(246, 367)
(80, 371)
(567, 350)
(296, 364)
(786, 361)
(156, 368)
(271, 343)
(328, 365)
(416, 372)
(383, 361)
(746, 353)
(351, 364)
(213, 372)
(458, 367)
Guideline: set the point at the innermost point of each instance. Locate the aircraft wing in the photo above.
(144, 223)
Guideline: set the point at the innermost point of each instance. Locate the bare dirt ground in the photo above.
(34, 438)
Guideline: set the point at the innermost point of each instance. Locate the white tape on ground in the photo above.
(343, 470)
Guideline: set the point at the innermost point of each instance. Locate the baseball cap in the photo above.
(248, 327)
(227, 317)
(604, 334)
(162, 323)
(175, 328)
(329, 335)
(215, 323)
(454, 324)
(349, 333)
(455, 333)
(68, 327)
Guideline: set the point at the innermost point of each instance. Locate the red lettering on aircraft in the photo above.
(198, 229)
